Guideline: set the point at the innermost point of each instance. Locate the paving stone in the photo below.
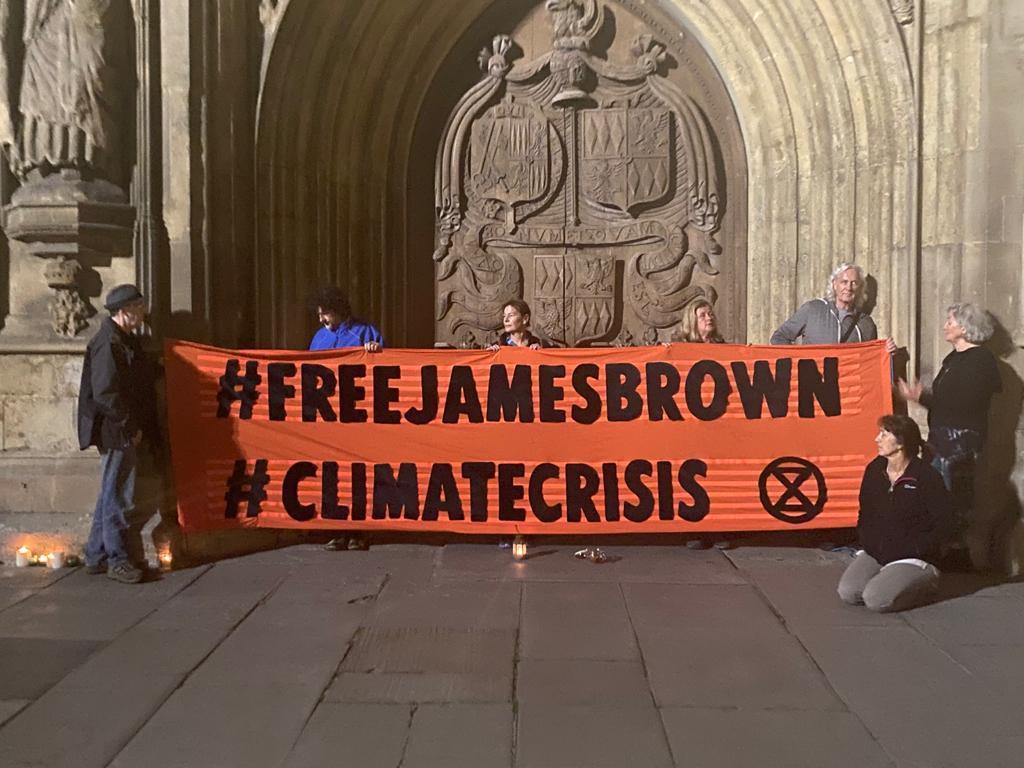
(921, 705)
(69, 728)
(793, 557)
(108, 698)
(712, 668)
(807, 595)
(474, 604)
(970, 621)
(551, 735)
(10, 707)
(357, 735)
(582, 681)
(1001, 667)
(83, 607)
(16, 584)
(28, 666)
(431, 649)
(446, 735)
(548, 562)
(722, 646)
(718, 738)
(672, 607)
(575, 621)
(272, 669)
(421, 687)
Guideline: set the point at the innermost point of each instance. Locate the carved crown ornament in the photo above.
(589, 186)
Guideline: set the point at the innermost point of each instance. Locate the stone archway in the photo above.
(821, 91)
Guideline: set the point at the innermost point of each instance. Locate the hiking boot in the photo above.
(96, 568)
(359, 542)
(337, 544)
(125, 572)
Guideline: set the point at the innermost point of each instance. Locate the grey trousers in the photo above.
(896, 587)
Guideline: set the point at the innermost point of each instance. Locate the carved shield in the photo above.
(625, 156)
(574, 296)
(509, 157)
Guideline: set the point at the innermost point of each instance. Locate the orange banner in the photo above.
(692, 437)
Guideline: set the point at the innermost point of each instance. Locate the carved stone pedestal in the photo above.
(62, 229)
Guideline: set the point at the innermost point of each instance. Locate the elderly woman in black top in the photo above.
(905, 517)
(958, 403)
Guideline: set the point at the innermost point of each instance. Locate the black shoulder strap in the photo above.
(849, 330)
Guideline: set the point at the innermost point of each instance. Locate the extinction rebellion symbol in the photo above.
(787, 494)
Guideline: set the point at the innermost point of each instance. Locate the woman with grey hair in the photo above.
(958, 403)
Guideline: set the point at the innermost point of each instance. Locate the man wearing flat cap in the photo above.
(117, 413)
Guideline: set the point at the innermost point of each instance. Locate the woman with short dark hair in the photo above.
(515, 321)
(905, 518)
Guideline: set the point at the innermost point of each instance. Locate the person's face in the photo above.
(705, 321)
(328, 318)
(846, 284)
(887, 443)
(514, 320)
(952, 330)
(133, 315)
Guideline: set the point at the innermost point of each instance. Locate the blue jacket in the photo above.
(351, 333)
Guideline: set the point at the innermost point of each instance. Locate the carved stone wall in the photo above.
(590, 179)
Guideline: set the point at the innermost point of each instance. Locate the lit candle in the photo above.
(23, 557)
(41, 560)
(56, 560)
(166, 559)
(519, 548)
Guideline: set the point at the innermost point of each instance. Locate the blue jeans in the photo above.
(108, 537)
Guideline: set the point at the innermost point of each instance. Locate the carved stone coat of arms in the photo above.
(587, 187)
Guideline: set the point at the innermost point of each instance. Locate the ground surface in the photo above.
(451, 656)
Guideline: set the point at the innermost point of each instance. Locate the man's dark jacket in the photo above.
(117, 396)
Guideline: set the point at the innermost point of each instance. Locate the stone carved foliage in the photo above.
(590, 187)
(69, 312)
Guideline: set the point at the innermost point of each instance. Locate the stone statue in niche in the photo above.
(60, 104)
(65, 97)
(590, 188)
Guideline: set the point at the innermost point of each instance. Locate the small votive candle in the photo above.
(23, 557)
(55, 560)
(166, 559)
(519, 548)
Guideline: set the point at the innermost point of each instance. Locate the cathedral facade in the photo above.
(610, 161)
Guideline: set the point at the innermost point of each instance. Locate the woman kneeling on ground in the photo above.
(906, 514)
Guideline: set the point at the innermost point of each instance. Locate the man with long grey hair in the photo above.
(837, 317)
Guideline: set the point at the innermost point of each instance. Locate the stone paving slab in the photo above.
(583, 681)
(551, 735)
(1000, 667)
(729, 738)
(84, 607)
(272, 669)
(575, 621)
(420, 687)
(448, 735)
(447, 604)
(554, 563)
(970, 620)
(107, 699)
(711, 668)
(431, 649)
(807, 595)
(923, 707)
(17, 584)
(722, 646)
(10, 707)
(28, 666)
(353, 736)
